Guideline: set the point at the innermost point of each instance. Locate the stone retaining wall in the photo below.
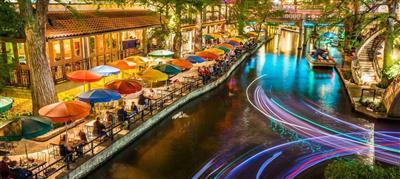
(94, 162)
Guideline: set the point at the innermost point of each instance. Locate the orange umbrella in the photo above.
(123, 65)
(135, 59)
(124, 86)
(252, 34)
(65, 111)
(207, 55)
(227, 46)
(215, 51)
(83, 76)
(183, 64)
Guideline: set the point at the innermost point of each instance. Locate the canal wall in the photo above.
(95, 161)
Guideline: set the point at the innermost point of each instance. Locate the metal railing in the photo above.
(153, 106)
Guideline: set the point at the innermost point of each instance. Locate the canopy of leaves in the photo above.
(11, 24)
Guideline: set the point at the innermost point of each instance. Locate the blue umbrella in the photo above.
(195, 59)
(99, 96)
(105, 70)
(232, 43)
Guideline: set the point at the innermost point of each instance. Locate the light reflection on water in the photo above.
(222, 122)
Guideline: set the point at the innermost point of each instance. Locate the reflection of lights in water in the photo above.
(287, 46)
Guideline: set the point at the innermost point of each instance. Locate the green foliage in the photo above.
(393, 71)
(11, 24)
(355, 169)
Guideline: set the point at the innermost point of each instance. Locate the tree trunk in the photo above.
(177, 46)
(42, 84)
(389, 39)
(198, 45)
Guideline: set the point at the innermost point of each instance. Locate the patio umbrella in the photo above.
(65, 111)
(237, 40)
(229, 46)
(152, 75)
(183, 64)
(234, 44)
(168, 69)
(215, 51)
(83, 76)
(24, 127)
(208, 37)
(5, 104)
(105, 70)
(195, 59)
(226, 50)
(207, 55)
(123, 64)
(124, 86)
(252, 34)
(161, 53)
(136, 59)
(99, 96)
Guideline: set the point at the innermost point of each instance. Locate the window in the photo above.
(21, 53)
(9, 52)
(77, 47)
(100, 44)
(92, 41)
(114, 40)
(57, 50)
(67, 49)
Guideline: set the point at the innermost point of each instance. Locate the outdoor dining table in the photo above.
(34, 164)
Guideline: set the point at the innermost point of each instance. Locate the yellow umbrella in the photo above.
(152, 75)
(136, 59)
(236, 39)
(215, 35)
(252, 34)
(215, 51)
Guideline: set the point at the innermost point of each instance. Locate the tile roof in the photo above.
(66, 24)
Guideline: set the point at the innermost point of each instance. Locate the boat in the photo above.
(314, 63)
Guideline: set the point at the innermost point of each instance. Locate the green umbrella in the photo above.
(226, 50)
(161, 53)
(169, 69)
(208, 37)
(24, 127)
(5, 104)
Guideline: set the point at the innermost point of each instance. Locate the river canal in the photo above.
(266, 121)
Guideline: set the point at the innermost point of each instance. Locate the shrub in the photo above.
(355, 169)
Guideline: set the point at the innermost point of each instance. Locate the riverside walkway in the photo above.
(55, 165)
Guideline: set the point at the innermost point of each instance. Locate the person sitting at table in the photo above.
(122, 114)
(109, 119)
(142, 100)
(4, 168)
(66, 150)
(98, 128)
(134, 108)
(83, 141)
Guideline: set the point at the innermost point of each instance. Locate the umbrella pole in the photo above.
(66, 131)
(26, 151)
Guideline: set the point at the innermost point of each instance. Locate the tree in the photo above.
(200, 6)
(356, 15)
(32, 28)
(241, 12)
(261, 11)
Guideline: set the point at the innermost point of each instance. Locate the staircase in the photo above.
(363, 69)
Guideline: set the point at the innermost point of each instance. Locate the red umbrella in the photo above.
(207, 55)
(124, 86)
(65, 111)
(83, 76)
